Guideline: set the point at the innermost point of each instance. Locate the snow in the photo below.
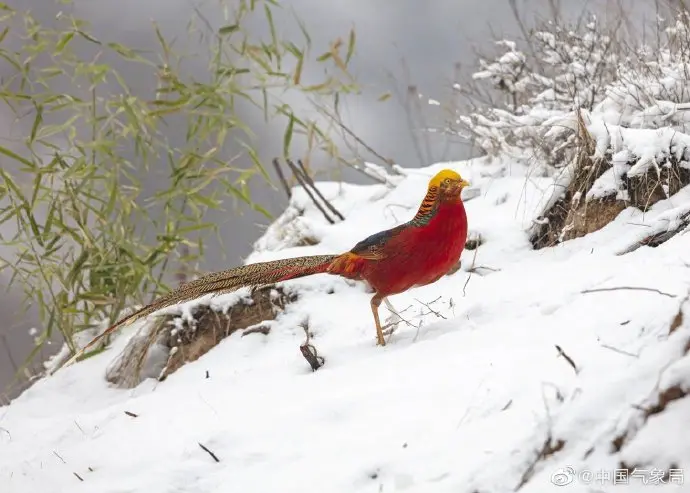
(462, 399)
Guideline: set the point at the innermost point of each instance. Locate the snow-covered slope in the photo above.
(470, 395)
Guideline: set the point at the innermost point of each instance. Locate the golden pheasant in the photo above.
(415, 253)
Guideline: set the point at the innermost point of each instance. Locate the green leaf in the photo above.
(272, 28)
(350, 45)
(297, 77)
(305, 32)
(226, 30)
(15, 156)
(324, 57)
(38, 120)
(287, 137)
(88, 37)
(33, 224)
(257, 162)
(207, 201)
(4, 33)
(63, 42)
(194, 227)
(75, 271)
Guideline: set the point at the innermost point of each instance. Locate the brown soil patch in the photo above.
(648, 189)
(618, 442)
(572, 216)
(677, 321)
(568, 218)
(665, 398)
(211, 327)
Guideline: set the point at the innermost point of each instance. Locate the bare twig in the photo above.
(326, 202)
(305, 185)
(549, 447)
(78, 476)
(281, 177)
(485, 267)
(9, 353)
(567, 358)
(311, 355)
(439, 315)
(205, 449)
(131, 414)
(339, 122)
(629, 288)
(470, 270)
(309, 352)
(616, 350)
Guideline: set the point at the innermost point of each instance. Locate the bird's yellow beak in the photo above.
(464, 183)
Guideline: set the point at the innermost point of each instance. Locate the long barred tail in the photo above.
(252, 275)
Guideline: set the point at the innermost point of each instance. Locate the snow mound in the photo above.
(524, 369)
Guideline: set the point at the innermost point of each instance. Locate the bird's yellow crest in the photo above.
(447, 174)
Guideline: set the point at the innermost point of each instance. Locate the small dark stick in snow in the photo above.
(630, 288)
(567, 358)
(281, 177)
(309, 351)
(312, 357)
(131, 414)
(431, 310)
(205, 449)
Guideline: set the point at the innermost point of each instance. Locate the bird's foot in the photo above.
(391, 323)
(390, 327)
(393, 319)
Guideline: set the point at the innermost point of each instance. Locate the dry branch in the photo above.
(311, 183)
(629, 288)
(281, 177)
(309, 351)
(205, 449)
(567, 358)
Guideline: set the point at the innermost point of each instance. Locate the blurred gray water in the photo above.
(399, 43)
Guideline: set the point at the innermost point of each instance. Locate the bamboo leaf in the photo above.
(257, 162)
(15, 156)
(350, 45)
(77, 267)
(38, 120)
(227, 30)
(287, 137)
(63, 42)
(324, 57)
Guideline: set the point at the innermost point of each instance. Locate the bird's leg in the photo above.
(390, 306)
(392, 321)
(375, 303)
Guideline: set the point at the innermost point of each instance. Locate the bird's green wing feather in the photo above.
(374, 247)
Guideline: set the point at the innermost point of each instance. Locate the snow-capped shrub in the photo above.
(606, 113)
(565, 68)
(524, 100)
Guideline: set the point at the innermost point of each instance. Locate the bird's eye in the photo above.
(446, 181)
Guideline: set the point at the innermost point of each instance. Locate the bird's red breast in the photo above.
(411, 254)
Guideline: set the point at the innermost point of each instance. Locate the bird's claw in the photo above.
(389, 330)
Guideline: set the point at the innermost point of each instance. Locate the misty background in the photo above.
(400, 43)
